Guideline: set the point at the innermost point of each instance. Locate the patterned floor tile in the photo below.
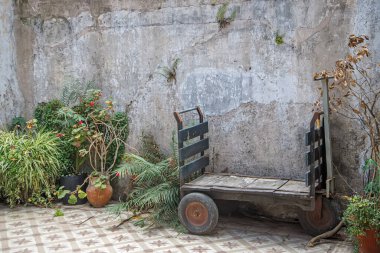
(90, 230)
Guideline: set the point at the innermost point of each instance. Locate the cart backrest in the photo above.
(316, 157)
(193, 151)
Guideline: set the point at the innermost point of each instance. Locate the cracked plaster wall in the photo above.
(257, 95)
(11, 99)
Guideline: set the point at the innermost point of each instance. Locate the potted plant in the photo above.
(355, 94)
(102, 133)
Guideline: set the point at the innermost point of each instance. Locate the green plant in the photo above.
(58, 213)
(49, 119)
(362, 213)
(279, 39)
(30, 165)
(170, 73)
(150, 150)
(99, 134)
(18, 123)
(74, 90)
(221, 16)
(156, 189)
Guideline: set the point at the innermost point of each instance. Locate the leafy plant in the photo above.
(362, 214)
(18, 123)
(279, 39)
(30, 166)
(58, 213)
(99, 134)
(221, 16)
(150, 150)
(74, 90)
(156, 189)
(170, 73)
(49, 119)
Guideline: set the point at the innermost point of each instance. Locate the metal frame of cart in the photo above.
(314, 196)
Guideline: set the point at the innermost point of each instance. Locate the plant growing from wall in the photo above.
(279, 39)
(170, 73)
(221, 18)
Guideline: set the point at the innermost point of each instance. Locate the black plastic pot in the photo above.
(70, 183)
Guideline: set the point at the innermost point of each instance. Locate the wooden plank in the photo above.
(206, 179)
(294, 186)
(319, 134)
(262, 183)
(192, 132)
(193, 149)
(194, 166)
(309, 175)
(317, 155)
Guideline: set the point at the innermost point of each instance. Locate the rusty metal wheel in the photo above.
(315, 223)
(198, 213)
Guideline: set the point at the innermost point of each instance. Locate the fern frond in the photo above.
(220, 15)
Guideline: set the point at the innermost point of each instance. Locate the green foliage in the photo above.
(372, 184)
(150, 150)
(30, 165)
(58, 213)
(156, 188)
(221, 16)
(361, 214)
(49, 119)
(279, 39)
(47, 115)
(73, 198)
(74, 90)
(18, 123)
(170, 73)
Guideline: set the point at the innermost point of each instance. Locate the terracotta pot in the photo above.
(368, 243)
(96, 196)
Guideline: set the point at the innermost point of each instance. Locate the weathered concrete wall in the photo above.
(257, 95)
(11, 100)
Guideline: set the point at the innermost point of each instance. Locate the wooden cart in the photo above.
(197, 209)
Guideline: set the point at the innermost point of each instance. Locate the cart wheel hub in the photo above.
(196, 213)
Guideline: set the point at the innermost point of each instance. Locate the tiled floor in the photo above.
(85, 229)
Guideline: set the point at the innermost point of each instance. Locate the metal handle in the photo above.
(179, 119)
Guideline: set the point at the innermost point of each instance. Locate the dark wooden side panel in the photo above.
(318, 135)
(318, 152)
(317, 175)
(192, 132)
(193, 149)
(194, 166)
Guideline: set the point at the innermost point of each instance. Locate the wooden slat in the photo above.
(317, 155)
(194, 166)
(192, 132)
(262, 183)
(317, 175)
(318, 135)
(294, 186)
(193, 149)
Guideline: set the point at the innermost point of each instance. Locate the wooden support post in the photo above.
(330, 179)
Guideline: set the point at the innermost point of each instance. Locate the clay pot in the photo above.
(96, 196)
(368, 243)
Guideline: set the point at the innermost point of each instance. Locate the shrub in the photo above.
(29, 166)
(49, 119)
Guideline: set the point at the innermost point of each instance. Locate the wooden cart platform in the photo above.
(248, 185)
